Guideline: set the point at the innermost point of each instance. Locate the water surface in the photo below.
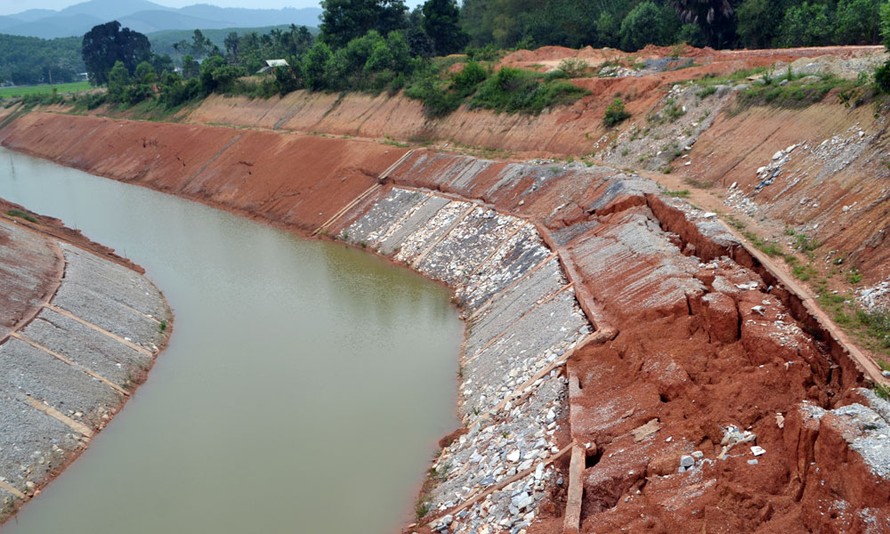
(303, 389)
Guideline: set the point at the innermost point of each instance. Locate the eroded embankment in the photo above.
(831, 187)
(79, 334)
(697, 353)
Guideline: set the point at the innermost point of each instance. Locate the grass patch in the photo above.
(518, 91)
(735, 223)
(803, 272)
(871, 328)
(882, 391)
(668, 114)
(706, 91)
(509, 90)
(877, 325)
(387, 140)
(162, 326)
(682, 193)
(45, 89)
(574, 67)
(770, 248)
(793, 92)
(22, 215)
(712, 80)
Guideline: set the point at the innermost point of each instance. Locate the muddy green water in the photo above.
(303, 390)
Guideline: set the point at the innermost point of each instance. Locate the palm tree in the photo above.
(714, 17)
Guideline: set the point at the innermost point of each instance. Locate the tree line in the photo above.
(379, 45)
(31, 60)
(631, 24)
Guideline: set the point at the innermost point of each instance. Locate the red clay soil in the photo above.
(693, 351)
(34, 266)
(295, 180)
(841, 189)
(30, 269)
(730, 151)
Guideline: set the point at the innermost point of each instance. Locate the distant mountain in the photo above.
(34, 14)
(112, 9)
(145, 16)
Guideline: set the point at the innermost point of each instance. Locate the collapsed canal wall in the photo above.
(603, 320)
(80, 333)
(522, 324)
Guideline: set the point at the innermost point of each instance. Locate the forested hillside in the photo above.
(31, 60)
(630, 24)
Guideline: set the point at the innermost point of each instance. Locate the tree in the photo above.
(806, 25)
(882, 73)
(759, 22)
(858, 22)
(118, 83)
(419, 42)
(232, 44)
(106, 44)
(441, 23)
(714, 17)
(315, 65)
(217, 75)
(648, 24)
(29, 60)
(885, 24)
(345, 20)
(561, 22)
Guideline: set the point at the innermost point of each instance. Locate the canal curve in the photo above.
(303, 389)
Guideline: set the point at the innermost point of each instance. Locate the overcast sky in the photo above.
(8, 7)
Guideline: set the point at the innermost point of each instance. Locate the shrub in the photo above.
(615, 113)
(882, 77)
(573, 67)
(467, 80)
(517, 91)
(22, 215)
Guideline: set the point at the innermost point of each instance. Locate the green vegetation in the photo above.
(871, 328)
(379, 45)
(615, 113)
(648, 23)
(770, 248)
(877, 326)
(668, 114)
(803, 272)
(29, 90)
(508, 90)
(682, 193)
(31, 61)
(22, 215)
(882, 391)
(793, 91)
(108, 43)
(573, 67)
(421, 509)
(517, 91)
(632, 24)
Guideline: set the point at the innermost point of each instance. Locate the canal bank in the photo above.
(288, 355)
(696, 347)
(79, 334)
